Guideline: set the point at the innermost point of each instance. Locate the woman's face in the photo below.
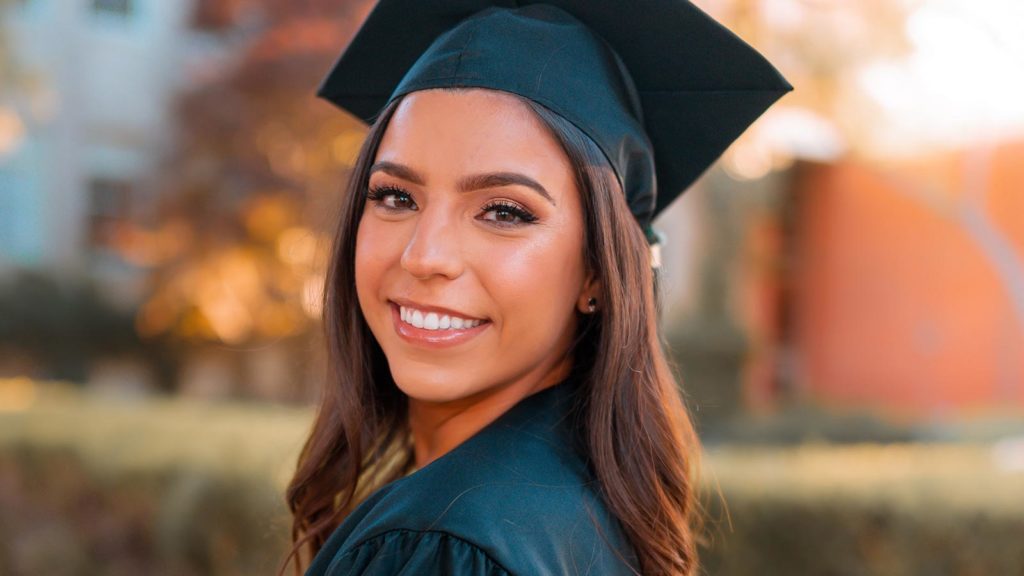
(469, 253)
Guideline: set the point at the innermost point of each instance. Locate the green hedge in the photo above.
(92, 485)
(900, 509)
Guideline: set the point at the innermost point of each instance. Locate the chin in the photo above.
(431, 385)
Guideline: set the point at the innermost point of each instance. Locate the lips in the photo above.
(434, 327)
(434, 320)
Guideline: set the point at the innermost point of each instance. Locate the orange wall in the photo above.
(895, 302)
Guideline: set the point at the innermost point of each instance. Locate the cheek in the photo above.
(374, 253)
(535, 283)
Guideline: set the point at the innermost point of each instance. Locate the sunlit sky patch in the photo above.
(963, 82)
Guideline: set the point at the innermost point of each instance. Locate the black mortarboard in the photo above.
(658, 85)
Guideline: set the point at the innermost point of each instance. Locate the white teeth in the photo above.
(431, 322)
(434, 321)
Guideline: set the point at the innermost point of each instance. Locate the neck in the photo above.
(438, 427)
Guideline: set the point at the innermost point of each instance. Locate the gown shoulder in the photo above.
(426, 553)
(516, 498)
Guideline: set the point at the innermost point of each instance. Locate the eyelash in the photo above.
(379, 193)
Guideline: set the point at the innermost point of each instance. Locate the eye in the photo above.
(390, 198)
(506, 213)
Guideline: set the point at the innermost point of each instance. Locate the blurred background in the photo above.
(844, 289)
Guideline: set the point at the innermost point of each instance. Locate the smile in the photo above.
(434, 328)
(435, 321)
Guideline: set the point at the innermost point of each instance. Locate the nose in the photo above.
(434, 247)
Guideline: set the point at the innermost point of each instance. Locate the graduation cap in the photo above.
(661, 87)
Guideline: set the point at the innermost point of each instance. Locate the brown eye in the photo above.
(391, 198)
(507, 214)
(396, 200)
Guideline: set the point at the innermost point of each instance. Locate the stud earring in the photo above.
(592, 305)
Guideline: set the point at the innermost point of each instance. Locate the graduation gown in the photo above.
(515, 498)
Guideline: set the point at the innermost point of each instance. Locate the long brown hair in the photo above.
(639, 438)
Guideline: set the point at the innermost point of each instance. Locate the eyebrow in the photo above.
(467, 183)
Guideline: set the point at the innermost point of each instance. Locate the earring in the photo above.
(592, 305)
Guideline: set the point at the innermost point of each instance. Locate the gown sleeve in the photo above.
(419, 553)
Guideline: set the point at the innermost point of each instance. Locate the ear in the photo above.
(591, 289)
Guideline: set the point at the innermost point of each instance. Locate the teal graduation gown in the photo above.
(516, 498)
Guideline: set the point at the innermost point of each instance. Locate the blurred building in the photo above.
(87, 117)
(909, 293)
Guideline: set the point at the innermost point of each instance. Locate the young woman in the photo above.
(499, 400)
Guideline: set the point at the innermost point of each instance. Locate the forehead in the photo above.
(454, 132)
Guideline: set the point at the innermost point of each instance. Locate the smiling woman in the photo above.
(499, 400)
(504, 257)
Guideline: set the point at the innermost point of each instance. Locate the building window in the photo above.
(122, 8)
(109, 207)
